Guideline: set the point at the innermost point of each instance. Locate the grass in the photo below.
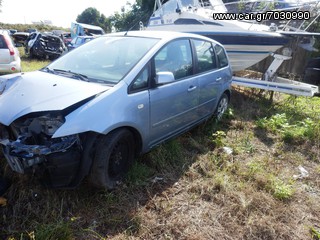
(227, 180)
(29, 65)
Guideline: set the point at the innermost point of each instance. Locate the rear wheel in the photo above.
(113, 156)
(222, 106)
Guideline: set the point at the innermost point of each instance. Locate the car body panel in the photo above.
(28, 92)
(172, 106)
(211, 84)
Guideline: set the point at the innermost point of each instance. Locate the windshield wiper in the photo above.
(49, 70)
(74, 74)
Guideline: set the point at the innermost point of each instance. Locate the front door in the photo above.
(173, 106)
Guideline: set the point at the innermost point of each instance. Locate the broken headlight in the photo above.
(30, 140)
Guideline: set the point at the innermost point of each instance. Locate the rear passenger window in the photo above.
(205, 56)
(2, 43)
(222, 56)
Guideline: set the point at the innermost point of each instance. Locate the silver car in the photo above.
(90, 112)
(9, 55)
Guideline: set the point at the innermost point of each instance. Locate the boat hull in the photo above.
(244, 48)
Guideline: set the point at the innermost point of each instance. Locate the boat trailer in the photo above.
(271, 82)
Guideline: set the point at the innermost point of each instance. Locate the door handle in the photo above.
(219, 79)
(192, 88)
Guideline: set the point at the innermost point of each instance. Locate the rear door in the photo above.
(211, 76)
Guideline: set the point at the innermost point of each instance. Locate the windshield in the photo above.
(105, 59)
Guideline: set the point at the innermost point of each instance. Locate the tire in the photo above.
(31, 55)
(114, 154)
(222, 106)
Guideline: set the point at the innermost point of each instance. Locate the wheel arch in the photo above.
(136, 135)
(228, 92)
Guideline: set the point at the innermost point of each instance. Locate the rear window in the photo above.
(3, 44)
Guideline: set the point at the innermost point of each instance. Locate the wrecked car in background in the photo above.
(20, 38)
(90, 112)
(44, 45)
(78, 41)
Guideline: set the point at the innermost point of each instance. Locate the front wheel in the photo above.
(114, 155)
(222, 106)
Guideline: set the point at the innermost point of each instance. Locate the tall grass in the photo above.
(28, 64)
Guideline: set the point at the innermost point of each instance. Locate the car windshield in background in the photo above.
(106, 59)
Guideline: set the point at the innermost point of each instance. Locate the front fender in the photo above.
(110, 110)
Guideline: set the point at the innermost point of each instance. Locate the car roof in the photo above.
(4, 31)
(86, 36)
(165, 35)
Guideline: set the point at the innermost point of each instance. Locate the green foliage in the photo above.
(290, 130)
(53, 231)
(123, 21)
(94, 17)
(24, 27)
(219, 138)
(274, 123)
(129, 20)
(138, 174)
(280, 189)
(255, 167)
(315, 233)
(167, 155)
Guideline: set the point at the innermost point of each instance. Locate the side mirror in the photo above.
(164, 77)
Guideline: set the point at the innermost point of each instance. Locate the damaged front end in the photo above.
(29, 147)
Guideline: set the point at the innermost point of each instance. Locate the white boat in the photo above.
(246, 42)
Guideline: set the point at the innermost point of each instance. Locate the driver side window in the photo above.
(175, 57)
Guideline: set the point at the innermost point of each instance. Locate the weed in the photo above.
(167, 155)
(31, 64)
(53, 231)
(255, 167)
(138, 174)
(290, 132)
(274, 123)
(280, 189)
(315, 233)
(247, 145)
(218, 138)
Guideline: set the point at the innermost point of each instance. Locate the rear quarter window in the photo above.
(3, 44)
(222, 56)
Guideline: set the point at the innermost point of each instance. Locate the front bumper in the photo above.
(21, 156)
(56, 164)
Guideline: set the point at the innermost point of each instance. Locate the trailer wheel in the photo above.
(222, 106)
(113, 156)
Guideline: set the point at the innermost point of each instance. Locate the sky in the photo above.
(60, 12)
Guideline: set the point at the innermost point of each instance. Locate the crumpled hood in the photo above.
(38, 91)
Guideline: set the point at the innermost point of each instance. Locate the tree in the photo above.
(129, 20)
(92, 16)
